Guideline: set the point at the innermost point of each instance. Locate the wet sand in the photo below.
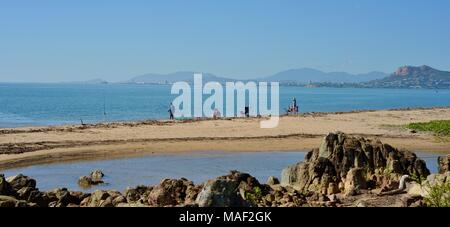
(37, 145)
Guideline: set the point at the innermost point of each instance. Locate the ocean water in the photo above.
(149, 170)
(55, 104)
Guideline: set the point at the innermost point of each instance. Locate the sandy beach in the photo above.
(38, 145)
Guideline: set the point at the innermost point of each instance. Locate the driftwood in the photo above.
(401, 188)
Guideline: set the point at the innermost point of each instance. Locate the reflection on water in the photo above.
(149, 170)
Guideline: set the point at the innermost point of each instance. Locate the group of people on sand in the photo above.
(292, 109)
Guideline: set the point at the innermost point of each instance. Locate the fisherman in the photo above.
(171, 111)
(294, 105)
(247, 111)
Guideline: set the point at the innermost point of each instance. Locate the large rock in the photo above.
(169, 192)
(101, 198)
(328, 166)
(97, 174)
(438, 178)
(5, 187)
(192, 192)
(25, 192)
(423, 189)
(21, 181)
(138, 194)
(315, 175)
(415, 189)
(444, 164)
(354, 181)
(9, 201)
(229, 191)
(87, 181)
(62, 197)
(273, 180)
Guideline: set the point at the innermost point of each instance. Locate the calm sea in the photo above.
(54, 104)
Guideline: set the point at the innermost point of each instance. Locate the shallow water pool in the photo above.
(149, 170)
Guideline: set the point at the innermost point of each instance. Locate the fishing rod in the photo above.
(104, 106)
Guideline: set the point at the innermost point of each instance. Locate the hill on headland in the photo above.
(413, 77)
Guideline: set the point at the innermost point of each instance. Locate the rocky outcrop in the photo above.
(273, 180)
(9, 201)
(228, 191)
(87, 181)
(354, 181)
(138, 194)
(20, 181)
(101, 198)
(329, 166)
(97, 174)
(444, 164)
(170, 192)
(5, 187)
(241, 189)
(423, 188)
(94, 178)
(62, 197)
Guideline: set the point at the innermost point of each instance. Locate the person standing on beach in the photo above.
(171, 111)
(294, 104)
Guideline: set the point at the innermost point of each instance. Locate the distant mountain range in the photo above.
(404, 77)
(296, 76)
(187, 76)
(307, 75)
(93, 81)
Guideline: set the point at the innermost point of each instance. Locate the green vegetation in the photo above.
(254, 196)
(417, 178)
(439, 195)
(440, 128)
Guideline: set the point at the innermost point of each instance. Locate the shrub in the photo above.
(438, 195)
(254, 196)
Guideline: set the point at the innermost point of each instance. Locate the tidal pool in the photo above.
(149, 170)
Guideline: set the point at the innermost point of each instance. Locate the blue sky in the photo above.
(63, 40)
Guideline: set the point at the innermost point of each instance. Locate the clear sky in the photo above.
(64, 40)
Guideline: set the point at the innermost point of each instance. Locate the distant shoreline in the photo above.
(150, 121)
(282, 83)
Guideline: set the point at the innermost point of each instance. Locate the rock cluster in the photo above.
(234, 189)
(95, 178)
(21, 191)
(345, 164)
